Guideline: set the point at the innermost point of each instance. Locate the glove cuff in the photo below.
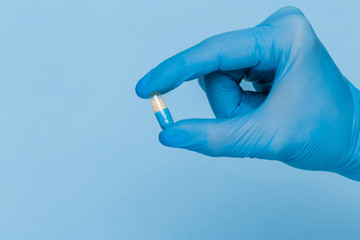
(352, 167)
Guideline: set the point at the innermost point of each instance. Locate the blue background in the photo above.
(79, 154)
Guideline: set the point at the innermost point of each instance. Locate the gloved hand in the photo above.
(304, 112)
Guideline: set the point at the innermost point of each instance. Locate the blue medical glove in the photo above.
(304, 112)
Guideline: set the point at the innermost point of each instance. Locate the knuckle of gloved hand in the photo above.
(298, 31)
(210, 42)
(291, 10)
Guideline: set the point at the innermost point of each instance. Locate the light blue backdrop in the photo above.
(79, 155)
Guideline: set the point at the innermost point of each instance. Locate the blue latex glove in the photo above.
(304, 112)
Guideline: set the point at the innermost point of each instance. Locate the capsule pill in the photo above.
(161, 111)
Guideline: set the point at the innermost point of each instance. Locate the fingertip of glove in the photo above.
(140, 87)
(173, 136)
(139, 90)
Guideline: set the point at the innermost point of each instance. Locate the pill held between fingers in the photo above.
(161, 111)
